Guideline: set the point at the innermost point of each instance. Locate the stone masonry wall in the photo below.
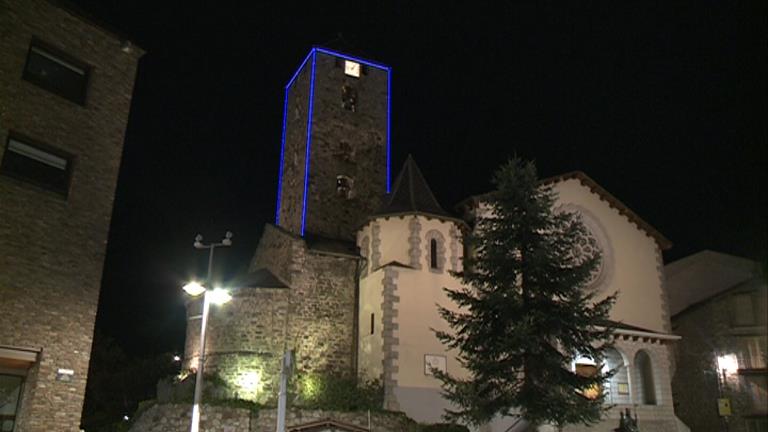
(175, 418)
(291, 191)
(314, 316)
(707, 332)
(52, 248)
(349, 143)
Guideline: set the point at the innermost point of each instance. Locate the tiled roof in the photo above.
(704, 275)
(411, 194)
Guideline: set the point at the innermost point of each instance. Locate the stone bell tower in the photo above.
(334, 166)
(301, 290)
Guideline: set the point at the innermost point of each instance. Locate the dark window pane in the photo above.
(56, 74)
(35, 165)
(433, 253)
(10, 395)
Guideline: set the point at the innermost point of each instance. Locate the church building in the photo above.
(350, 273)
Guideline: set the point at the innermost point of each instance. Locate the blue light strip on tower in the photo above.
(389, 123)
(309, 140)
(282, 144)
(313, 54)
(282, 158)
(298, 71)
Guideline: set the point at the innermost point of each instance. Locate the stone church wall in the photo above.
(323, 313)
(349, 143)
(314, 316)
(291, 191)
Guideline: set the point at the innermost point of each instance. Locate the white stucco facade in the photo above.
(401, 289)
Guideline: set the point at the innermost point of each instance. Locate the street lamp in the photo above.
(215, 296)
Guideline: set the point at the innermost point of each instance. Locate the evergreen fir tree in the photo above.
(526, 314)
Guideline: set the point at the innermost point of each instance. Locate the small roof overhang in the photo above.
(12, 357)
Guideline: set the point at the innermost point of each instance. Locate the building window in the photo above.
(645, 381)
(10, 398)
(756, 389)
(56, 72)
(752, 352)
(618, 384)
(344, 186)
(743, 310)
(348, 98)
(37, 164)
(435, 251)
(372, 322)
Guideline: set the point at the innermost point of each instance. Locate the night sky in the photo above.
(662, 103)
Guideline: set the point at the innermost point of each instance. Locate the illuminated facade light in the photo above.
(728, 364)
(219, 296)
(250, 383)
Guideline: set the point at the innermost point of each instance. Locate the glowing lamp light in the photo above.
(219, 296)
(250, 381)
(194, 289)
(728, 363)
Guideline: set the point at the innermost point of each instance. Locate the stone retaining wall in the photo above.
(175, 418)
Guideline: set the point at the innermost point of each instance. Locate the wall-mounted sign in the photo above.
(724, 407)
(432, 361)
(623, 388)
(64, 375)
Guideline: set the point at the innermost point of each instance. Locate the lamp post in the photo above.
(216, 296)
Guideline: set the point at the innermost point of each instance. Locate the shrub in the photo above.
(338, 392)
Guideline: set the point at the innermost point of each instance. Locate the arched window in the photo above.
(435, 251)
(645, 383)
(618, 385)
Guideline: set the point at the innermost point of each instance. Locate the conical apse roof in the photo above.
(411, 194)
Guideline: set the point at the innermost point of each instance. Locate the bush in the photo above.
(338, 392)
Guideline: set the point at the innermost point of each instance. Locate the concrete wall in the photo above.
(52, 248)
